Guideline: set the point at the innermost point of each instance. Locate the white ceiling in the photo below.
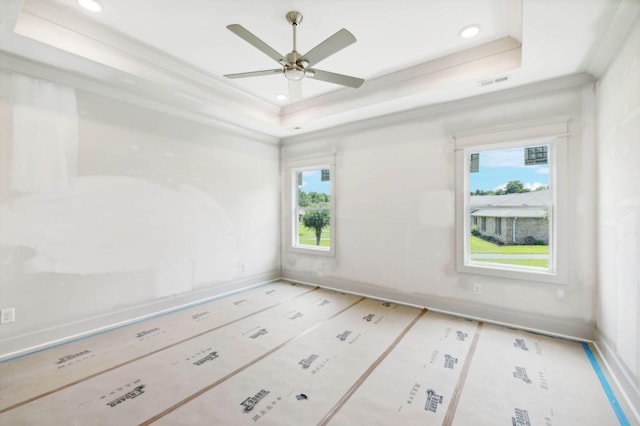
(408, 51)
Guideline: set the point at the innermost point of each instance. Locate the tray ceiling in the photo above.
(409, 52)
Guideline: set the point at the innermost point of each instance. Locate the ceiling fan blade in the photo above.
(333, 44)
(331, 77)
(250, 38)
(295, 90)
(254, 73)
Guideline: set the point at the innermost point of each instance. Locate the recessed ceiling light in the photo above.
(470, 31)
(91, 5)
(281, 97)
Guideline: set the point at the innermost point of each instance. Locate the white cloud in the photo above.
(529, 186)
(310, 178)
(500, 187)
(502, 158)
(534, 186)
(513, 157)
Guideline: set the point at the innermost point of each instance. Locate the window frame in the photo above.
(555, 134)
(293, 170)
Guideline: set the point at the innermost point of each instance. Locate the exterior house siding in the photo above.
(530, 225)
(526, 229)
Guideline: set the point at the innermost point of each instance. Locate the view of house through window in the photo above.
(510, 194)
(313, 209)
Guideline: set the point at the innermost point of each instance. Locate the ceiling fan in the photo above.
(295, 66)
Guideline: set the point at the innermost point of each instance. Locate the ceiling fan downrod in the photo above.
(294, 18)
(296, 70)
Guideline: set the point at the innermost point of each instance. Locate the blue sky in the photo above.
(311, 182)
(496, 169)
(501, 166)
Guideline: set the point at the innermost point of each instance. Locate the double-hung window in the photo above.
(509, 212)
(312, 208)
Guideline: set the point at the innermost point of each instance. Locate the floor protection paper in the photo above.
(33, 375)
(416, 382)
(284, 354)
(303, 381)
(525, 379)
(136, 376)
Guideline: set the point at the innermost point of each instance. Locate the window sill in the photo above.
(317, 251)
(526, 274)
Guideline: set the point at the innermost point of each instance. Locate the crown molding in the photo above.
(623, 19)
(144, 95)
(421, 113)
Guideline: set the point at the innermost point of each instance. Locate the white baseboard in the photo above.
(622, 377)
(566, 328)
(25, 343)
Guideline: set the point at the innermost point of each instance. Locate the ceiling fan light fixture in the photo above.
(294, 73)
(91, 5)
(470, 31)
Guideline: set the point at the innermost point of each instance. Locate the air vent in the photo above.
(494, 80)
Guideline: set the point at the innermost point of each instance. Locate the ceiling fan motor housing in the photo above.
(295, 69)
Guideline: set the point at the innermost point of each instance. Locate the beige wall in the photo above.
(159, 207)
(618, 228)
(395, 217)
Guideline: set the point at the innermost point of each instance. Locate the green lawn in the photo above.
(480, 246)
(539, 263)
(307, 237)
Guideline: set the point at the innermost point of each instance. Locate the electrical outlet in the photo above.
(477, 289)
(7, 315)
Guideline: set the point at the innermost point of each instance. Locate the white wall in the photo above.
(395, 230)
(154, 206)
(618, 327)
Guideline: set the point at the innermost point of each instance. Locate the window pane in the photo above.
(535, 155)
(474, 163)
(510, 195)
(314, 208)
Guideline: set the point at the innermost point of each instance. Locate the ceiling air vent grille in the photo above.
(494, 80)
